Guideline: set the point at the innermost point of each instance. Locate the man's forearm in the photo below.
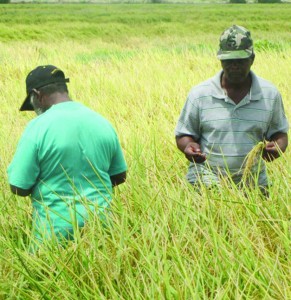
(19, 191)
(118, 179)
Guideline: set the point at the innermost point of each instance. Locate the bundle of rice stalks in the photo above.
(251, 160)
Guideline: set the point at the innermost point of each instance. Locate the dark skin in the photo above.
(236, 81)
(44, 102)
(190, 148)
(277, 145)
(115, 180)
(20, 192)
(118, 179)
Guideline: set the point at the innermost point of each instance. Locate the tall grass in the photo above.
(165, 240)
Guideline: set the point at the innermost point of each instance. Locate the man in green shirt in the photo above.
(68, 158)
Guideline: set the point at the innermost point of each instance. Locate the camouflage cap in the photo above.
(235, 43)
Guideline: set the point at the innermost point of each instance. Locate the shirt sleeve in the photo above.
(24, 169)
(189, 120)
(279, 122)
(118, 164)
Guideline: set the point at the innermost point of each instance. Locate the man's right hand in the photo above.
(193, 153)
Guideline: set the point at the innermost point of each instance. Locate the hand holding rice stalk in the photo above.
(251, 159)
(267, 150)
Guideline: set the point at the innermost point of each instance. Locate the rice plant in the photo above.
(166, 240)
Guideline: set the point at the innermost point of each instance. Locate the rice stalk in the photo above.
(251, 160)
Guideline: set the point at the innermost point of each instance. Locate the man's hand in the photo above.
(277, 145)
(190, 148)
(271, 151)
(193, 153)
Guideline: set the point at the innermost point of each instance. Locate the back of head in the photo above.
(54, 88)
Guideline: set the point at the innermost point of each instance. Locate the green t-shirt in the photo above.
(66, 155)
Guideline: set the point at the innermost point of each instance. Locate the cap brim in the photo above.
(26, 105)
(239, 54)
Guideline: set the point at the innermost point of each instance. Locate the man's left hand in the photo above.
(271, 151)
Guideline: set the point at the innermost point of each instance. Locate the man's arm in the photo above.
(277, 145)
(190, 148)
(19, 191)
(118, 178)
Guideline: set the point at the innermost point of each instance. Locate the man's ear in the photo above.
(38, 94)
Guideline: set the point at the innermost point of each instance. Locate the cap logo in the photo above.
(55, 70)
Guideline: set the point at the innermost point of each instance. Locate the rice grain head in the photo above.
(251, 159)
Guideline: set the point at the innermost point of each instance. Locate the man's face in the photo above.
(237, 70)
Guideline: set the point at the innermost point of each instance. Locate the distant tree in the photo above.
(4, 1)
(237, 1)
(269, 1)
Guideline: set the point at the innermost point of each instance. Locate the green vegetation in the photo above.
(237, 1)
(269, 1)
(135, 65)
(123, 23)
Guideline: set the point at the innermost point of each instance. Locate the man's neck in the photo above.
(242, 85)
(236, 91)
(57, 98)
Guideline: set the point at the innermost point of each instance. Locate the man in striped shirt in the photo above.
(230, 113)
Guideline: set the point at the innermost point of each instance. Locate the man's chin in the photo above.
(236, 78)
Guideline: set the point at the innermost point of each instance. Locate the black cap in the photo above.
(40, 77)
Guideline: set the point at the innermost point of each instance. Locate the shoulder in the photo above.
(202, 88)
(86, 113)
(33, 124)
(206, 89)
(94, 117)
(30, 133)
(264, 82)
(265, 87)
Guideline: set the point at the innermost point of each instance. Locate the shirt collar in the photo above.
(218, 92)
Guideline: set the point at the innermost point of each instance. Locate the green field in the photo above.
(135, 64)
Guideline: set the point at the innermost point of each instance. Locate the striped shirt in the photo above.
(226, 131)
